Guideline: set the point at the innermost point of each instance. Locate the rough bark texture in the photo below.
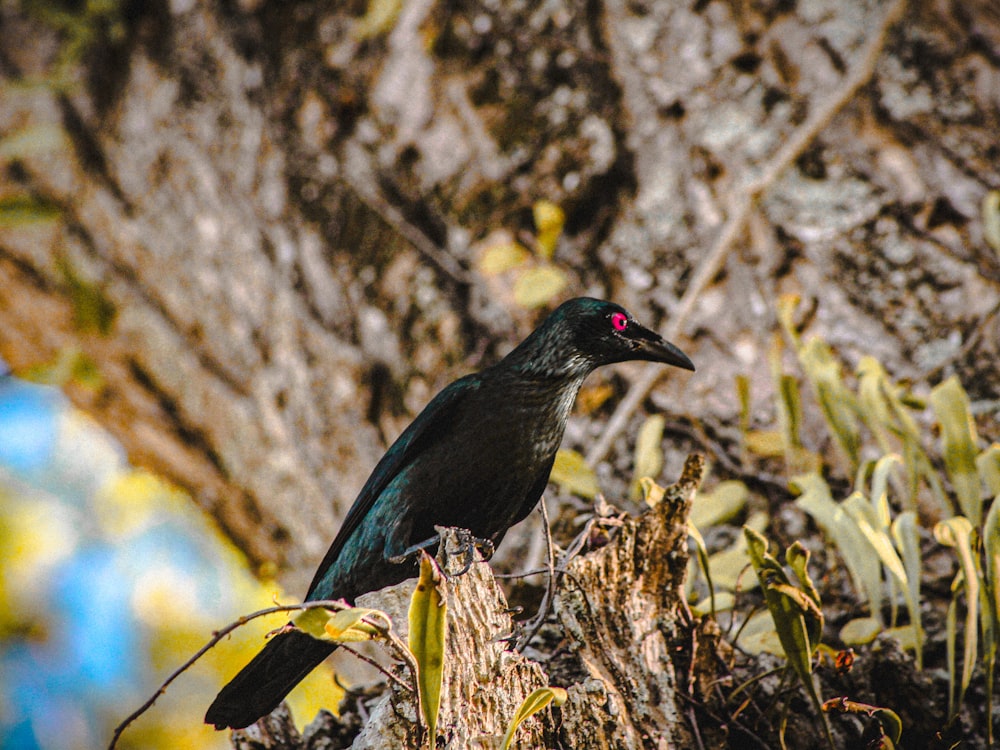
(623, 608)
(278, 212)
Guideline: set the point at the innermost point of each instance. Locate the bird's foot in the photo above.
(467, 546)
(409, 552)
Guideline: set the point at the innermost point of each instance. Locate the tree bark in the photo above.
(278, 214)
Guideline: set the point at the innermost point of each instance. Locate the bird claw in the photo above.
(467, 546)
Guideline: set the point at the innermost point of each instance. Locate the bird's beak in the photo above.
(654, 348)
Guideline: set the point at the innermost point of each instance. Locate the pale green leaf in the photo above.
(766, 443)
(428, 628)
(530, 706)
(348, 626)
(909, 637)
(722, 504)
(958, 445)
(652, 493)
(539, 285)
(501, 257)
(864, 568)
(549, 222)
(991, 553)
(571, 473)
(991, 613)
(759, 636)
(648, 452)
(723, 601)
(906, 537)
(786, 315)
(988, 465)
(861, 631)
(835, 399)
(956, 532)
(379, 19)
(312, 621)
(726, 566)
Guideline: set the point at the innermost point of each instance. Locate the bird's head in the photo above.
(585, 333)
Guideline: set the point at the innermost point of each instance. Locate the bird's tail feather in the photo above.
(260, 686)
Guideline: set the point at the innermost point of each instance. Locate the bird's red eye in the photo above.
(619, 321)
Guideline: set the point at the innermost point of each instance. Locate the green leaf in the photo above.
(93, 311)
(21, 210)
(861, 631)
(956, 532)
(885, 411)
(892, 725)
(313, 621)
(766, 443)
(991, 610)
(538, 286)
(530, 706)
(502, 257)
(344, 626)
(743, 395)
(648, 452)
(864, 568)
(348, 626)
(837, 402)
(722, 504)
(958, 444)
(379, 19)
(428, 628)
(794, 612)
(702, 553)
(571, 473)
(786, 611)
(726, 566)
(906, 536)
(549, 222)
(786, 316)
(652, 493)
(988, 465)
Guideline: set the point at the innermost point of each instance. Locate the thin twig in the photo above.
(543, 609)
(371, 662)
(739, 211)
(217, 636)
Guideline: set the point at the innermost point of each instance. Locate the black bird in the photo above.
(477, 457)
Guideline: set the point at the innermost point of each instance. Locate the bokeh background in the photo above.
(109, 580)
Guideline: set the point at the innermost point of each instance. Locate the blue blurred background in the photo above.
(109, 580)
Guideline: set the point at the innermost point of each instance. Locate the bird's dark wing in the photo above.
(432, 421)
